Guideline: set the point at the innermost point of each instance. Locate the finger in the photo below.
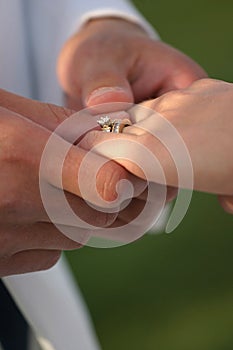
(87, 213)
(139, 206)
(102, 81)
(142, 155)
(37, 236)
(131, 212)
(173, 70)
(109, 145)
(132, 222)
(61, 162)
(98, 178)
(101, 78)
(28, 261)
(45, 114)
(67, 207)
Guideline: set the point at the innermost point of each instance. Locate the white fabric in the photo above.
(32, 33)
(14, 74)
(51, 303)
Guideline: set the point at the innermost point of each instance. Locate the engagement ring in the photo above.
(116, 126)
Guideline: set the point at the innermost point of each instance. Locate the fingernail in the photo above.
(103, 94)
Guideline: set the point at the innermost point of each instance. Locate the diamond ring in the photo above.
(115, 126)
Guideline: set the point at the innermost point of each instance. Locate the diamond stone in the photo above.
(104, 121)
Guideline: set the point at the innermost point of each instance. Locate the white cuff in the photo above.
(132, 16)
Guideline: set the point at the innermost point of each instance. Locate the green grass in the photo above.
(171, 292)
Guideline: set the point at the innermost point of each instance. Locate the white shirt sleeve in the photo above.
(111, 8)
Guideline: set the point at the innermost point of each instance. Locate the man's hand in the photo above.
(28, 239)
(113, 60)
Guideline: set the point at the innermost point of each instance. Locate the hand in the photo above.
(28, 239)
(202, 114)
(114, 60)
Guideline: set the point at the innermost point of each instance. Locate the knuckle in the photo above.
(104, 219)
(94, 217)
(164, 102)
(58, 113)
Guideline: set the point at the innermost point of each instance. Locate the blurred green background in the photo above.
(171, 292)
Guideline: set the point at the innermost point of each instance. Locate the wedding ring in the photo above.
(119, 125)
(115, 126)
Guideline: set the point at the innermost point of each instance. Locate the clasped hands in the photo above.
(105, 62)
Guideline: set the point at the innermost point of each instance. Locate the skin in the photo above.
(112, 60)
(108, 60)
(202, 114)
(28, 240)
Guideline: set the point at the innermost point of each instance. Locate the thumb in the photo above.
(95, 83)
(93, 72)
(101, 81)
(97, 93)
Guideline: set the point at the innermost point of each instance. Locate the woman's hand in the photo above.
(203, 116)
